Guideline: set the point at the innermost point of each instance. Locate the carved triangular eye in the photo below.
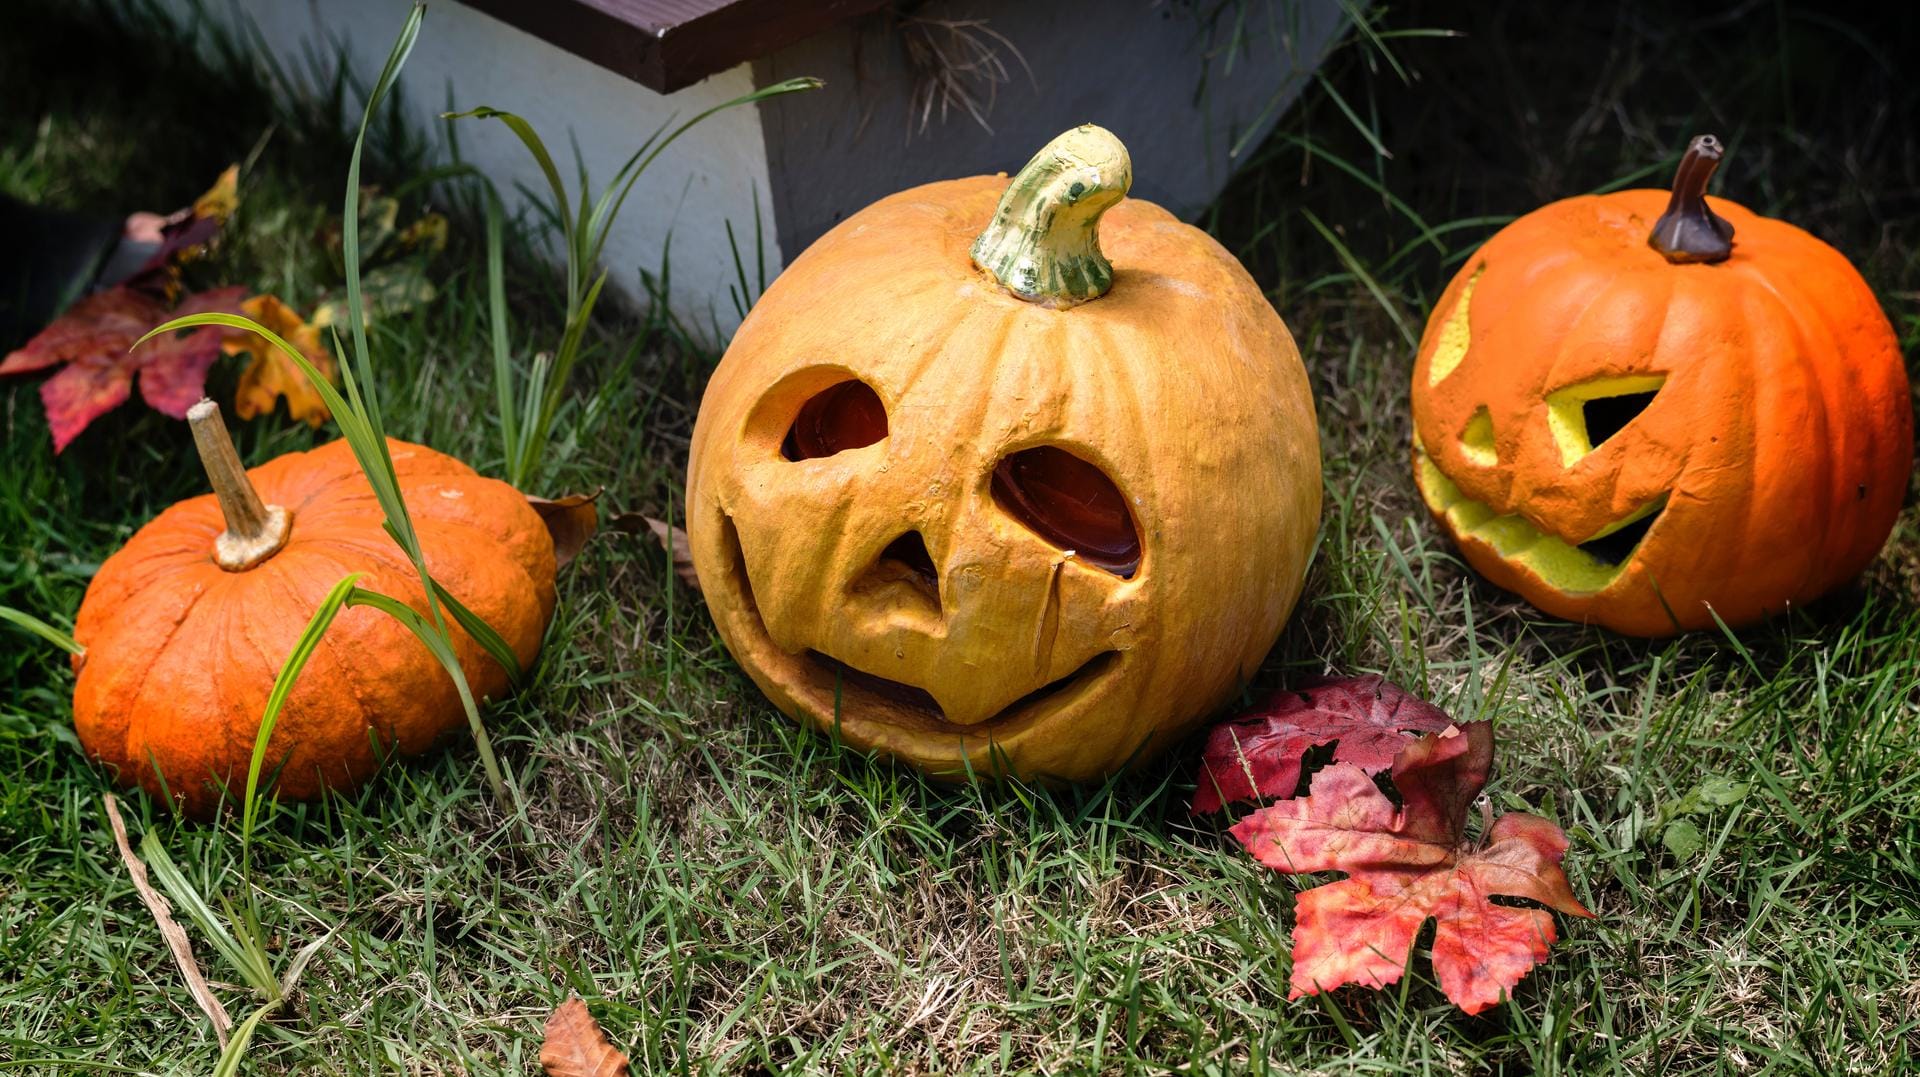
(1584, 416)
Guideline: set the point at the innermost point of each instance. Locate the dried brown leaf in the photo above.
(672, 539)
(575, 1046)
(170, 928)
(571, 519)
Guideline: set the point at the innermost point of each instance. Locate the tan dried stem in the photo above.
(255, 530)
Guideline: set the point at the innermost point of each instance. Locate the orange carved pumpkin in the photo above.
(1646, 408)
(187, 625)
(955, 500)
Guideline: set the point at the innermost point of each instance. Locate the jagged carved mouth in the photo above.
(1575, 568)
(834, 687)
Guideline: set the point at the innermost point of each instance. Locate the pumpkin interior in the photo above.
(1070, 503)
(847, 415)
(1585, 415)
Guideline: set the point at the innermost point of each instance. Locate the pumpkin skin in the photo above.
(182, 653)
(1771, 459)
(1181, 385)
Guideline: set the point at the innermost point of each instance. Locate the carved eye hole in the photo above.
(1608, 414)
(1585, 415)
(1070, 503)
(845, 416)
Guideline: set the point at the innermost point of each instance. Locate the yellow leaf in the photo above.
(222, 198)
(272, 376)
(428, 234)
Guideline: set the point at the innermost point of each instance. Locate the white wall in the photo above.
(712, 174)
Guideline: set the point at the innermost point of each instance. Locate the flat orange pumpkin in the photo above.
(186, 626)
(1648, 408)
(966, 492)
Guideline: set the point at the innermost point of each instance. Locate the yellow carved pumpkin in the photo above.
(977, 497)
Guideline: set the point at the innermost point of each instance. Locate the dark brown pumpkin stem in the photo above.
(1690, 232)
(255, 530)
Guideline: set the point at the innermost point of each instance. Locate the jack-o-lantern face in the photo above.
(986, 533)
(1648, 433)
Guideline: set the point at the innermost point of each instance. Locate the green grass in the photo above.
(735, 895)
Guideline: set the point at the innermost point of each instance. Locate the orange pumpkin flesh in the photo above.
(181, 652)
(998, 524)
(1644, 438)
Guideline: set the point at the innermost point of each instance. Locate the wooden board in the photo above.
(667, 44)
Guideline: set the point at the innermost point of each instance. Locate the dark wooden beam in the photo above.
(668, 44)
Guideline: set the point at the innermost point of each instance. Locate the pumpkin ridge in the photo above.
(378, 546)
(533, 587)
(983, 401)
(940, 336)
(1834, 548)
(241, 734)
(1127, 402)
(349, 671)
(140, 717)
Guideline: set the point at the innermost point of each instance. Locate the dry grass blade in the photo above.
(575, 1046)
(572, 520)
(956, 64)
(170, 928)
(672, 539)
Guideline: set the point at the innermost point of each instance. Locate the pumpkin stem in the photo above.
(255, 531)
(1043, 243)
(1689, 231)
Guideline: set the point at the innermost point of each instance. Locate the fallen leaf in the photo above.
(1257, 755)
(1410, 863)
(428, 235)
(185, 234)
(672, 539)
(92, 339)
(575, 1046)
(396, 288)
(170, 929)
(571, 520)
(270, 375)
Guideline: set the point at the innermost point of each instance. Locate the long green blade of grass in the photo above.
(585, 225)
(296, 661)
(435, 639)
(28, 622)
(247, 958)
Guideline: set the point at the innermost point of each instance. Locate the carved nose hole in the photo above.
(906, 568)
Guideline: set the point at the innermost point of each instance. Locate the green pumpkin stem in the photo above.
(1043, 243)
(255, 530)
(1689, 232)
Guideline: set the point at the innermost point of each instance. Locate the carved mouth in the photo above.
(832, 687)
(916, 706)
(1575, 568)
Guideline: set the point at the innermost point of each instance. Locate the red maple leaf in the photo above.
(93, 338)
(1411, 863)
(1257, 755)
